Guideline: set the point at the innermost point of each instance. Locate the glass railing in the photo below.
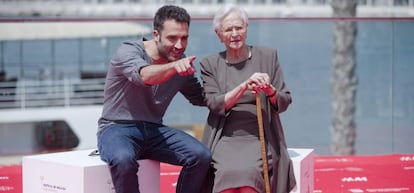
(385, 84)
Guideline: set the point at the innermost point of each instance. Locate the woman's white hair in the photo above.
(227, 9)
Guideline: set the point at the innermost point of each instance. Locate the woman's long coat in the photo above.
(212, 70)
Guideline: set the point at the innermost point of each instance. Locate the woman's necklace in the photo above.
(155, 89)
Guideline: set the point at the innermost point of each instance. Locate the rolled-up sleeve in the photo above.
(128, 61)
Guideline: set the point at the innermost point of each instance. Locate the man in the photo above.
(142, 79)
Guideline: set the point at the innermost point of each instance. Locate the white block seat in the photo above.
(303, 168)
(79, 172)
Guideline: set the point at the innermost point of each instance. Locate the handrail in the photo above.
(215, 2)
(47, 93)
(197, 8)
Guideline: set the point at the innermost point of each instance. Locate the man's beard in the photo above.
(165, 54)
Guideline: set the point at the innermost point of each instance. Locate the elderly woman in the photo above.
(231, 79)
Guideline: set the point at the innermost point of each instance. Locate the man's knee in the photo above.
(204, 154)
(122, 157)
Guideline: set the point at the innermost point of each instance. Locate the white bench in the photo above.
(303, 166)
(77, 172)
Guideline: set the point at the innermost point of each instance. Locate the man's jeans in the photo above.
(121, 145)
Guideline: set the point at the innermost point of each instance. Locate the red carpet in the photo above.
(11, 179)
(333, 174)
(382, 173)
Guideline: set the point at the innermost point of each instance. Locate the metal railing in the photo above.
(51, 93)
(213, 2)
(197, 8)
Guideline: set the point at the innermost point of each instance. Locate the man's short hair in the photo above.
(170, 12)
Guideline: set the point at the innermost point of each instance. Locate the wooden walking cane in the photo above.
(262, 142)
